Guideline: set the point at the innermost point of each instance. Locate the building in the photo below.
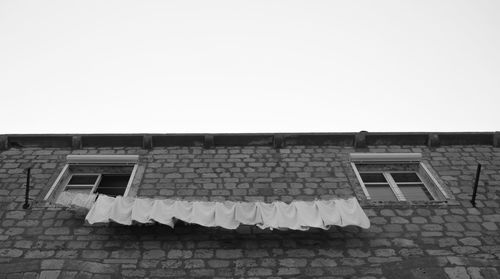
(415, 188)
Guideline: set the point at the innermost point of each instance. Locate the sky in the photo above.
(192, 66)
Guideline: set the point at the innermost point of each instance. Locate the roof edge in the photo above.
(150, 140)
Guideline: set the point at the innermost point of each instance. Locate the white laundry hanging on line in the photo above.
(297, 215)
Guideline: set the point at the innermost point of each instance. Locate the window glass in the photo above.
(369, 177)
(405, 177)
(415, 192)
(113, 184)
(381, 192)
(83, 179)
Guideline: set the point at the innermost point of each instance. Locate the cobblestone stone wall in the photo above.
(419, 241)
(249, 173)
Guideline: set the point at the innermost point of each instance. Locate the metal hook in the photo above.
(26, 204)
(478, 173)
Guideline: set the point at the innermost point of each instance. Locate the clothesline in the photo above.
(297, 215)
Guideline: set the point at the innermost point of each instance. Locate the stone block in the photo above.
(456, 272)
(19, 266)
(125, 254)
(228, 253)
(94, 254)
(57, 231)
(194, 263)
(95, 267)
(218, 263)
(52, 264)
(293, 262)
(10, 253)
(259, 272)
(179, 254)
(49, 274)
(205, 273)
(154, 254)
(323, 262)
(340, 271)
(39, 254)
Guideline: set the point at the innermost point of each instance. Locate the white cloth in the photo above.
(162, 212)
(141, 210)
(329, 212)
(308, 215)
(76, 199)
(248, 213)
(298, 215)
(121, 210)
(225, 215)
(203, 213)
(100, 211)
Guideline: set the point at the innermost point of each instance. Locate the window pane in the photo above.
(372, 177)
(113, 184)
(405, 177)
(415, 192)
(381, 193)
(82, 179)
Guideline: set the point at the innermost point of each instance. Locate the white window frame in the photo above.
(394, 158)
(94, 186)
(108, 160)
(394, 185)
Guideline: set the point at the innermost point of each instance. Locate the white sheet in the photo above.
(298, 215)
(68, 198)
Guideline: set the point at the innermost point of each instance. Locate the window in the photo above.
(110, 175)
(108, 184)
(396, 177)
(393, 186)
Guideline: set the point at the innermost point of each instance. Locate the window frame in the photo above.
(396, 158)
(97, 182)
(394, 185)
(98, 160)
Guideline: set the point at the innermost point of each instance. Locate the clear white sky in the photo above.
(249, 66)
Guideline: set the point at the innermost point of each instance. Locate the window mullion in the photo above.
(96, 184)
(394, 187)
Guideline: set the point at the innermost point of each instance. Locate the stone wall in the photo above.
(404, 241)
(248, 173)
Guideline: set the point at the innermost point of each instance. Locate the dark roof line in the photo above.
(278, 140)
